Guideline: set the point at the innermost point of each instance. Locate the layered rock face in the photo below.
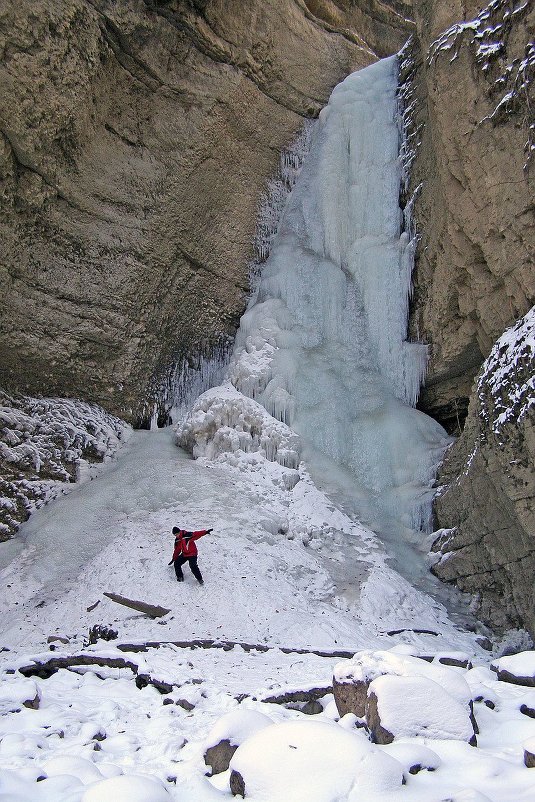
(475, 210)
(474, 278)
(135, 141)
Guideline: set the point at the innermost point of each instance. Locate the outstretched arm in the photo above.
(200, 533)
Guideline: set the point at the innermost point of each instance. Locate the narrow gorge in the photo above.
(267, 401)
(136, 141)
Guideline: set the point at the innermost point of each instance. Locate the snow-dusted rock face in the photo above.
(470, 99)
(489, 493)
(472, 138)
(45, 443)
(135, 141)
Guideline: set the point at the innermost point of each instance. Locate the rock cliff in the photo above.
(472, 130)
(136, 138)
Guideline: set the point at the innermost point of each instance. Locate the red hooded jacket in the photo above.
(187, 547)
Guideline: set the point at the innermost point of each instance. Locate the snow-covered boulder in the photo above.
(414, 706)
(73, 766)
(352, 677)
(529, 753)
(228, 733)
(313, 760)
(223, 421)
(414, 757)
(359, 688)
(19, 693)
(516, 668)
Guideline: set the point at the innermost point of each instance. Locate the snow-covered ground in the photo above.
(283, 567)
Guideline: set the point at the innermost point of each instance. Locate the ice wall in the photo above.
(324, 347)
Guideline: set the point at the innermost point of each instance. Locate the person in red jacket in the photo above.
(185, 551)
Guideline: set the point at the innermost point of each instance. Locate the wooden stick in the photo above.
(142, 607)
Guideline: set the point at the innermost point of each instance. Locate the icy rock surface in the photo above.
(43, 444)
(324, 348)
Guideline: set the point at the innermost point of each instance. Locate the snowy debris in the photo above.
(487, 36)
(46, 443)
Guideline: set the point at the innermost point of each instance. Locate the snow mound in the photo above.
(134, 788)
(224, 422)
(317, 761)
(84, 770)
(17, 693)
(413, 757)
(236, 726)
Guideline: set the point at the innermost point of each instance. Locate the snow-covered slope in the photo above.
(283, 567)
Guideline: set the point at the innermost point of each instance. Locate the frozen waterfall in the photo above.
(324, 347)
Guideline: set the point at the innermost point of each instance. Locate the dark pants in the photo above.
(180, 561)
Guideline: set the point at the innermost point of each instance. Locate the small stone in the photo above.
(237, 784)
(185, 704)
(312, 708)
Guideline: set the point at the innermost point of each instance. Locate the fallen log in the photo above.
(228, 645)
(152, 610)
(46, 669)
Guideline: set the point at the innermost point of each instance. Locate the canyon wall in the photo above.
(136, 138)
(472, 133)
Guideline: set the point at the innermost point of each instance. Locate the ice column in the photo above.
(324, 348)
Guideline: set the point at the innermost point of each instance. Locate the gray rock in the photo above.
(218, 757)
(379, 734)
(350, 697)
(237, 784)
